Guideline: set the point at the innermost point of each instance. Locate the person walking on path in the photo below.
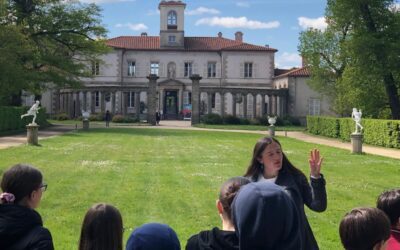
(108, 118)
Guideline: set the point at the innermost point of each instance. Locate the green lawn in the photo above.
(173, 176)
(250, 127)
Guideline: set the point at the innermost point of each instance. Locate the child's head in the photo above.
(101, 228)
(364, 229)
(153, 236)
(389, 202)
(22, 184)
(227, 193)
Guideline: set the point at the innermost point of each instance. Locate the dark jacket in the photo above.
(214, 239)
(302, 193)
(21, 228)
(266, 218)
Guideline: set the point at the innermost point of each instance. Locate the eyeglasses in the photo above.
(43, 187)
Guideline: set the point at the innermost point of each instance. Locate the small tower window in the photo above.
(172, 19)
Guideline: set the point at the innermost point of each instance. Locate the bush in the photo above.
(61, 117)
(10, 118)
(124, 119)
(212, 119)
(97, 117)
(230, 119)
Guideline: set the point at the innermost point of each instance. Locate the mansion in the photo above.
(175, 75)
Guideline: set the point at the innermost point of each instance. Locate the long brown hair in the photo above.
(255, 168)
(101, 228)
(228, 192)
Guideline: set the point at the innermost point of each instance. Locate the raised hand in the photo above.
(315, 163)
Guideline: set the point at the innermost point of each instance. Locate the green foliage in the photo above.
(385, 133)
(10, 118)
(230, 119)
(124, 119)
(61, 117)
(97, 117)
(212, 119)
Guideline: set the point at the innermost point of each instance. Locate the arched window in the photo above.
(172, 18)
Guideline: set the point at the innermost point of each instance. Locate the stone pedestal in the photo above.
(356, 142)
(271, 131)
(32, 134)
(85, 124)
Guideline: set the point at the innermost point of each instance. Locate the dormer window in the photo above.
(172, 20)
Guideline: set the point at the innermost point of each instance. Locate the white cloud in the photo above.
(201, 11)
(288, 60)
(395, 7)
(153, 12)
(105, 1)
(132, 26)
(315, 23)
(237, 22)
(243, 4)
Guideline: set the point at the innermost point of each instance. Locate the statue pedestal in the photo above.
(356, 142)
(271, 131)
(32, 134)
(85, 124)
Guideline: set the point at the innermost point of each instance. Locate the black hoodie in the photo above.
(22, 228)
(214, 239)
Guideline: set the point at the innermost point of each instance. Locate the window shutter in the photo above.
(161, 69)
(242, 70)
(195, 69)
(205, 70)
(218, 70)
(255, 70)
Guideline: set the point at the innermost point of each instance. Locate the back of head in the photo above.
(101, 229)
(153, 236)
(363, 228)
(265, 217)
(20, 181)
(228, 192)
(389, 202)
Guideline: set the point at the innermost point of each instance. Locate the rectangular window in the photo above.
(211, 69)
(97, 98)
(95, 68)
(154, 66)
(248, 70)
(131, 68)
(131, 99)
(188, 69)
(314, 106)
(213, 100)
(171, 39)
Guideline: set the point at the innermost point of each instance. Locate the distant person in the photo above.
(21, 227)
(158, 118)
(101, 228)
(153, 236)
(216, 238)
(108, 118)
(389, 202)
(270, 164)
(266, 218)
(364, 229)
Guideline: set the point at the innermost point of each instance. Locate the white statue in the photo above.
(85, 114)
(32, 111)
(356, 115)
(272, 120)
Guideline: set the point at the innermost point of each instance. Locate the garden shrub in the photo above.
(61, 117)
(212, 119)
(230, 119)
(10, 118)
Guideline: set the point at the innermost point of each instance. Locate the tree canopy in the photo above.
(356, 59)
(45, 42)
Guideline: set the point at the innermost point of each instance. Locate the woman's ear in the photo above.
(219, 206)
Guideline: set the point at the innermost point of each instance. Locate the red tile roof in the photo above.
(296, 72)
(169, 3)
(191, 44)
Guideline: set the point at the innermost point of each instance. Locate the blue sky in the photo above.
(273, 22)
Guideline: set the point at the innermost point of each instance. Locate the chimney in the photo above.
(239, 36)
(219, 34)
(143, 34)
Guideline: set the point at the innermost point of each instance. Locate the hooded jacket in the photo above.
(153, 236)
(266, 218)
(214, 239)
(22, 228)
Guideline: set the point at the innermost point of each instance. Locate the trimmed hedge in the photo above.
(385, 133)
(10, 118)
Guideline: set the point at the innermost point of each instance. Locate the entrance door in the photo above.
(171, 104)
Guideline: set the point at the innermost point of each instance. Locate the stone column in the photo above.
(262, 105)
(254, 106)
(222, 97)
(93, 102)
(84, 105)
(61, 102)
(244, 105)
(113, 102)
(209, 102)
(102, 102)
(275, 109)
(234, 104)
(285, 105)
(56, 102)
(124, 102)
(270, 105)
(137, 104)
(77, 104)
(70, 104)
(151, 99)
(195, 98)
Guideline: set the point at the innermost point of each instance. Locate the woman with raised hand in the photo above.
(21, 227)
(102, 228)
(216, 238)
(270, 164)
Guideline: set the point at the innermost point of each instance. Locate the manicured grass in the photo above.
(250, 127)
(173, 177)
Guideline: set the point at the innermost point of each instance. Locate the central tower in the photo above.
(172, 19)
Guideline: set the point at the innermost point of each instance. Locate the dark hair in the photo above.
(21, 180)
(255, 168)
(389, 202)
(228, 192)
(101, 228)
(363, 228)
